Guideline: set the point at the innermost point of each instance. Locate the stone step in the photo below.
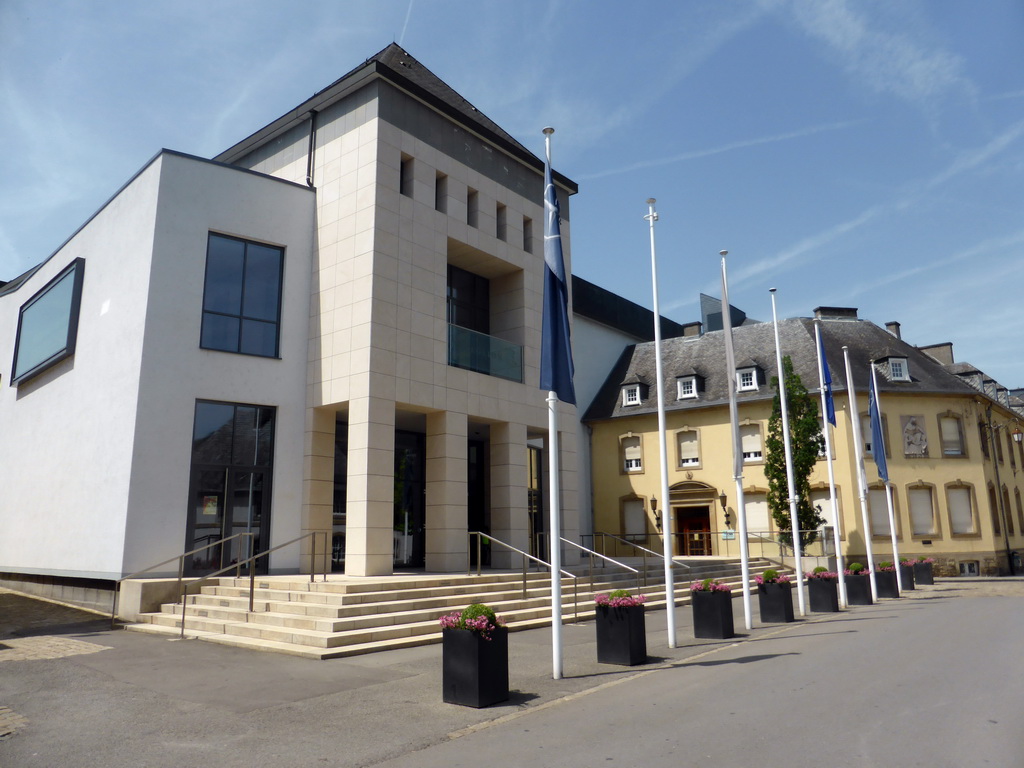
(318, 621)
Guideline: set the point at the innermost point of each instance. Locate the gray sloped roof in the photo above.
(397, 66)
(705, 355)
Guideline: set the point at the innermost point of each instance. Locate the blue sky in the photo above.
(847, 152)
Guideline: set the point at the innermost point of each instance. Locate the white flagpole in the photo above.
(794, 516)
(737, 449)
(826, 427)
(862, 485)
(555, 534)
(888, 487)
(666, 513)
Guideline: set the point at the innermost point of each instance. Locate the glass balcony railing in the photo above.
(484, 354)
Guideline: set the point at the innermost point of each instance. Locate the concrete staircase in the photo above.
(347, 617)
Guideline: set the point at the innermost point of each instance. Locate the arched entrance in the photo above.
(692, 505)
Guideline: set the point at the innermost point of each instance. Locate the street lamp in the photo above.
(656, 513)
(725, 510)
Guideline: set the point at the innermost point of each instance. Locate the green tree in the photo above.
(807, 444)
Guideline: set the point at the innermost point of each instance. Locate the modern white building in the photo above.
(332, 326)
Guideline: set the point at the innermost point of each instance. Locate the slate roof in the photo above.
(399, 67)
(705, 355)
(603, 306)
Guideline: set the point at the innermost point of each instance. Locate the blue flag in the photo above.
(830, 406)
(877, 440)
(556, 368)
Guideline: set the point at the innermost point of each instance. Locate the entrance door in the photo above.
(694, 527)
(229, 493)
(226, 502)
(410, 507)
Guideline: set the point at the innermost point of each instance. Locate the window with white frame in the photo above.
(952, 435)
(866, 437)
(961, 509)
(898, 369)
(686, 387)
(746, 379)
(631, 395)
(688, 447)
(632, 456)
(750, 442)
(922, 511)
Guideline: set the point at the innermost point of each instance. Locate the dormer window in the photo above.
(746, 379)
(898, 370)
(686, 387)
(631, 394)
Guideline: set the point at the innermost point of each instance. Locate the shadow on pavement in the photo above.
(23, 616)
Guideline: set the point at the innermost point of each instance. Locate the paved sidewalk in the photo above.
(73, 692)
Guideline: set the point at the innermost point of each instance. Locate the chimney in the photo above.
(846, 313)
(941, 352)
(894, 328)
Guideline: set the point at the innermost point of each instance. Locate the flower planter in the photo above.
(712, 614)
(824, 595)
(475, 670)
(886, 583)
(775, 601)
(907, 576)
(621, 635)
(858, 589)
(923, 573)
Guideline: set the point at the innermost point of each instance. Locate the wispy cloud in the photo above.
(965, 162)
(982, 249)
(697, 154)
(879, 50)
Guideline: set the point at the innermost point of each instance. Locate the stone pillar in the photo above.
(370, 505)
(447, 490)
(508, 492)
(318, 491)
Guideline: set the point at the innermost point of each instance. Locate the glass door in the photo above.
(229, 493)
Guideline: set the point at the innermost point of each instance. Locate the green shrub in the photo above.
(856, 567)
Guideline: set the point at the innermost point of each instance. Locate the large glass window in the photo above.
(232, 465)
(48, 324)
(242, 297)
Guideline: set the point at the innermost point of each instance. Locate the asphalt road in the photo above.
(929, 680)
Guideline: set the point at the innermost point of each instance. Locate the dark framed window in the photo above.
(242, 297)
(230, 486)
(48, 324)
(469, 300)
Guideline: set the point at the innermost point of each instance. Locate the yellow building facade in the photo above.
(955, 467)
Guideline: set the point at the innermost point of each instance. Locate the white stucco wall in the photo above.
(596, 348)
(95, 453)
(197, 198)
(67, 434)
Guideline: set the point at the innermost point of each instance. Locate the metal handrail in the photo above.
(181, 565)
(672, 562)
(252, 570)
(592, 553)
(481, 536)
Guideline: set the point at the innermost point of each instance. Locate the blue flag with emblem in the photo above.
(830, 406)
(877, 439)
(556, 368)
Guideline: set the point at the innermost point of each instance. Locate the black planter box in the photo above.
(475, 670)
(858, 589)
(886, 583)
(621, 635)
(923, 573)
(775, 601)
(824, 595)
(712, 614)
(907, 577)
